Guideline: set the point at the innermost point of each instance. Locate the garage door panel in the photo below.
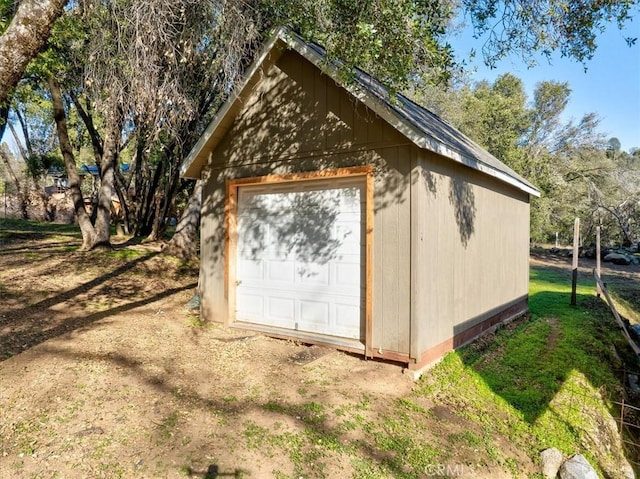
(344, 323)
(314, 316)
(300, 254)
(303, 310)
(347, 231)
(281, 271)
(347, 274)
(255, 237)
(253, 309)
(312, 274)
(251, 269)
(282, 309)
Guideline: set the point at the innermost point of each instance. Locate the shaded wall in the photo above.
(297, 120)
(450, 243)
(464, 271)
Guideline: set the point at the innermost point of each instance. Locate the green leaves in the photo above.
(392, 40)
(38, 165)
(525, 28)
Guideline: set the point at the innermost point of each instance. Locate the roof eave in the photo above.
(415, 135)
(192, 165)
(431, 144)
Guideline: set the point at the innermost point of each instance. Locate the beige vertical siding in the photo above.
(443, 260)
(391, 251)
(299, 120)
(213, 301)
(469, 246)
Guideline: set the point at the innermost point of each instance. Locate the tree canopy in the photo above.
(579, 172)
(136, 81)
(528, 27)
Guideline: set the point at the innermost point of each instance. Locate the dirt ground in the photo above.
(104, 372)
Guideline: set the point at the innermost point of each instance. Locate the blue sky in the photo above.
(610, 87)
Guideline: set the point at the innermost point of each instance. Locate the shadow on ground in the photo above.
(23, 327)
(529, 369)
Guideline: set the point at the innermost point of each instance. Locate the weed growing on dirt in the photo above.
(167, 428)
(125, 253)
(194, 321)
(255, 436)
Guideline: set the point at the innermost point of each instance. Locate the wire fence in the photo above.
(629, 418)
(617, 426)
(629, 396)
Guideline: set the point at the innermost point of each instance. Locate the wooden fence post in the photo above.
(574, 272)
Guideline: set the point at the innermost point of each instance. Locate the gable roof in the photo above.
(420, 126)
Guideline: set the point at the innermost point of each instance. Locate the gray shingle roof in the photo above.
(422, 127)
(431, 126)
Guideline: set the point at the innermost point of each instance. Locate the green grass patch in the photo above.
(195, 321)
(26, 226)
(542, 382)
(627, 299)
(125, 253)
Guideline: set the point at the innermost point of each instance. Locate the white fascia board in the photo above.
(415, 135)
(222, 113)
(440, 148)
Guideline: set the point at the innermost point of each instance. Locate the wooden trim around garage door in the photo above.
(231, 235)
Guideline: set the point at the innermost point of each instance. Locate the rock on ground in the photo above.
(551, 461)
(577, 467)
(617, 258)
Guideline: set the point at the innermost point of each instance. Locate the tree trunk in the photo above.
(154, 235)
(121, 191)
(24, 38)
(25, 133)
(94, 136)
(23, 196)
(23, 152)
(623, 223)
(106, 193)
(166, 199)
(86, 228)
(148, 202)
(27, 153)
(4, 116)
(185, 240)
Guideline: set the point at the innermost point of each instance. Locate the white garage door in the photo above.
(299, 258)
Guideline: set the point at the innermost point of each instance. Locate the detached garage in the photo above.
(335, 215)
